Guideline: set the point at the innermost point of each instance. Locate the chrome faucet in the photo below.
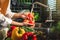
(50, 12)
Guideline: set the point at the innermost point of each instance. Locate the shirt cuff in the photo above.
(6, 22)
(9, 14)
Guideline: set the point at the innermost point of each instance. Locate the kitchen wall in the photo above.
(56, 14)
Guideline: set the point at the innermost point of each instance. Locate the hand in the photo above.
(23, 16)
(29, 25)
(27, 15)
(26, 24)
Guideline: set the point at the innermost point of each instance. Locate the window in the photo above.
(52, 4)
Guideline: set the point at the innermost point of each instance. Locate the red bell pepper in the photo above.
(9, 34)
(27, 34)
(13, 27)
(34, 37)
(10, 31)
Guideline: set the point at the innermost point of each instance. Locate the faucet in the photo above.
(50, 12)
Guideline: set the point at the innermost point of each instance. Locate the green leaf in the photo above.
(28, 29)
(36, 16)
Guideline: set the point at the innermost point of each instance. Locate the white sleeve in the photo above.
(9, 13)
(4, 21)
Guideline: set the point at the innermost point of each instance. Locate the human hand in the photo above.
(28, 15)
(23, 15)
(27, 24)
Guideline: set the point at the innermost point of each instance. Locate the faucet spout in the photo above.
(50, 12)
(39, 4)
